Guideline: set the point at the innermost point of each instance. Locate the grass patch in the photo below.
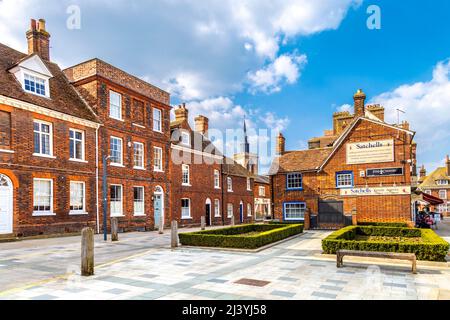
(250, 236)
(424, 243)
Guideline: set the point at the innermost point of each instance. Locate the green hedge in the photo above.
(232, 237)
(384, 224)
(432, 247)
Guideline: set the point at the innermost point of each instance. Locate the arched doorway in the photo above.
(158, 206)
(6, 205)
(208, 212)
(241, 211)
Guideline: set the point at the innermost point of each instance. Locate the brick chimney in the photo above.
(202, 125)
(38, 39)
(423, 172)
(447, 164)
(405, 125)
(181, 114)
(281, 144)
(359, 98)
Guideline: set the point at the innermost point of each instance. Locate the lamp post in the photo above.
(105, 198)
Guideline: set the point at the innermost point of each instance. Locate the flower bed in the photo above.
(430, 248)
(251, 236)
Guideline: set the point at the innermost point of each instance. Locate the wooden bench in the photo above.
(372, 254)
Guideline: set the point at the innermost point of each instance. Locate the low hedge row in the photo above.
(384, 224)
(432, 247)
(233, 237)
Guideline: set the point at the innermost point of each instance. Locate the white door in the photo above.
(158, 207)
(6, 205)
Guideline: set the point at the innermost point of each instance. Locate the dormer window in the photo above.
(34, 84)
(186, 138)
(442, 182)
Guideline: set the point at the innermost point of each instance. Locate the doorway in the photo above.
(241, 211)
(158, 207)
(208, 212)
(6, 205)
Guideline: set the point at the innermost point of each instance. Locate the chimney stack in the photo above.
(39, 39)
(447, 164)
(281, 144)
(423, 172)
(405, 125)
(359, 106)
(181, 114)
(202, 125)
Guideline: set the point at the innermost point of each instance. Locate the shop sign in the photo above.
(377, 191)
(384, 172)
(370, 152)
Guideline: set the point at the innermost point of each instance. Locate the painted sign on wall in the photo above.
(377, 191)
(383, 172)
(370, 152)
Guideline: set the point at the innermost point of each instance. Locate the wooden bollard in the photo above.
(161, 225)
(174, 235)
(203, 223)
(87, 252)
(114, 229)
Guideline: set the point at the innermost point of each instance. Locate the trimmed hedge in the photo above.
(384, 224)
(432, 248)
(232, 237)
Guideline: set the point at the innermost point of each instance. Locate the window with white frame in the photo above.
(185, 175)
(442, 182)
(442, 208)
(35, 84)
(42, 196)
(138, 155)
(139, 209)
(157, 159)
(262, 191)
(229, 210)
(216, 179)
(443, 194)
(249, 184)
(76, 147)
(77, 197)
(186, 138)
(249, 210)
(294, 211)
(157, 120)
(115, 105)
(344, 179)
(43, 138)
(428, 192)
(116, 200)
(294, 181)
(185, 209)
(116, 151)
(217, 208)
(229, 184)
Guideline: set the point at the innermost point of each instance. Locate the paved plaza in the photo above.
(142, 266)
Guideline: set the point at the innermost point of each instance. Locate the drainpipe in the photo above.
(222, 187)
(97, 180)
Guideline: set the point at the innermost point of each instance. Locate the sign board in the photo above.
(383, 172)
(370, 152)
(377, 191)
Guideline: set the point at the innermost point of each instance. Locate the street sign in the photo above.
(383, 172)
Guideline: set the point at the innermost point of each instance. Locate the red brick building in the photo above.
(263, 198)
(135, 135)
(47, 172)
(358, 172)
(204, 182)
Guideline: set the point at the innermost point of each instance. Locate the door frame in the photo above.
(208, 203)
(11, 203)
(241, 211)
(159, 191)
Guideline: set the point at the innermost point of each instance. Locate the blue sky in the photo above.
(283, 64)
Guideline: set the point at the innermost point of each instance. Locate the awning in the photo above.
(421, 196)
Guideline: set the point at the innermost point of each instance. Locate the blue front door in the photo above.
(241, 212)
(158, 210)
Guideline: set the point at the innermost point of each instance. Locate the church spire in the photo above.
(245, 145)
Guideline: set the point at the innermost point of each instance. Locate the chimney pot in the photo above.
(38, 39)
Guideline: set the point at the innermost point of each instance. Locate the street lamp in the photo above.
(105, 198)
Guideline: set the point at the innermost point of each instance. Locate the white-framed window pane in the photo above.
(217, 207)
(139, 207)
(249, 210)
(76, 139)
(344, 180)
(158, 166)
(230, 184)
(138, 155)
(116, 150)
(115, 105)
(185, 208)
(185, 174)
(294, 211)
(294, 181)
(42, 195)
(42, 138)
(230, 210)
(116, 200)
(157, 120)
(262, 191)
(216, 179)
(249, 184)
(443, 194)
(185, 138)
(77, 196)
(34, 84)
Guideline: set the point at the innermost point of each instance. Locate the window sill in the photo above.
(139, 125)
(117, 216)
(217, 188)
(186, 218)
(299, 189)
(44, 214)
(117, 119)
(117, 165)
(139, 168)
(217, 216)
(6, 151)
(43, 156)
(78, 213)
(230, 191)
(159, 171)
(158, 131)
(339, 188)
(139, 215)
(78, 160)
(186, 185)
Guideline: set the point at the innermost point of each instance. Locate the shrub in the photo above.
(233, 237)
(384, 224)
(432, 247)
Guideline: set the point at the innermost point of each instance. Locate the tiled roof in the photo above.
(430, 180)
(262, 179)
(63, 96)
(232, 168)
(298, 161)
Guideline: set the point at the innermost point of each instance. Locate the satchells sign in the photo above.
(377, 191)
(370, 152)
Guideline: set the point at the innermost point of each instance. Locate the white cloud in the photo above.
(285, 69)
(427, 109)
(272, 121)
(345, 108)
